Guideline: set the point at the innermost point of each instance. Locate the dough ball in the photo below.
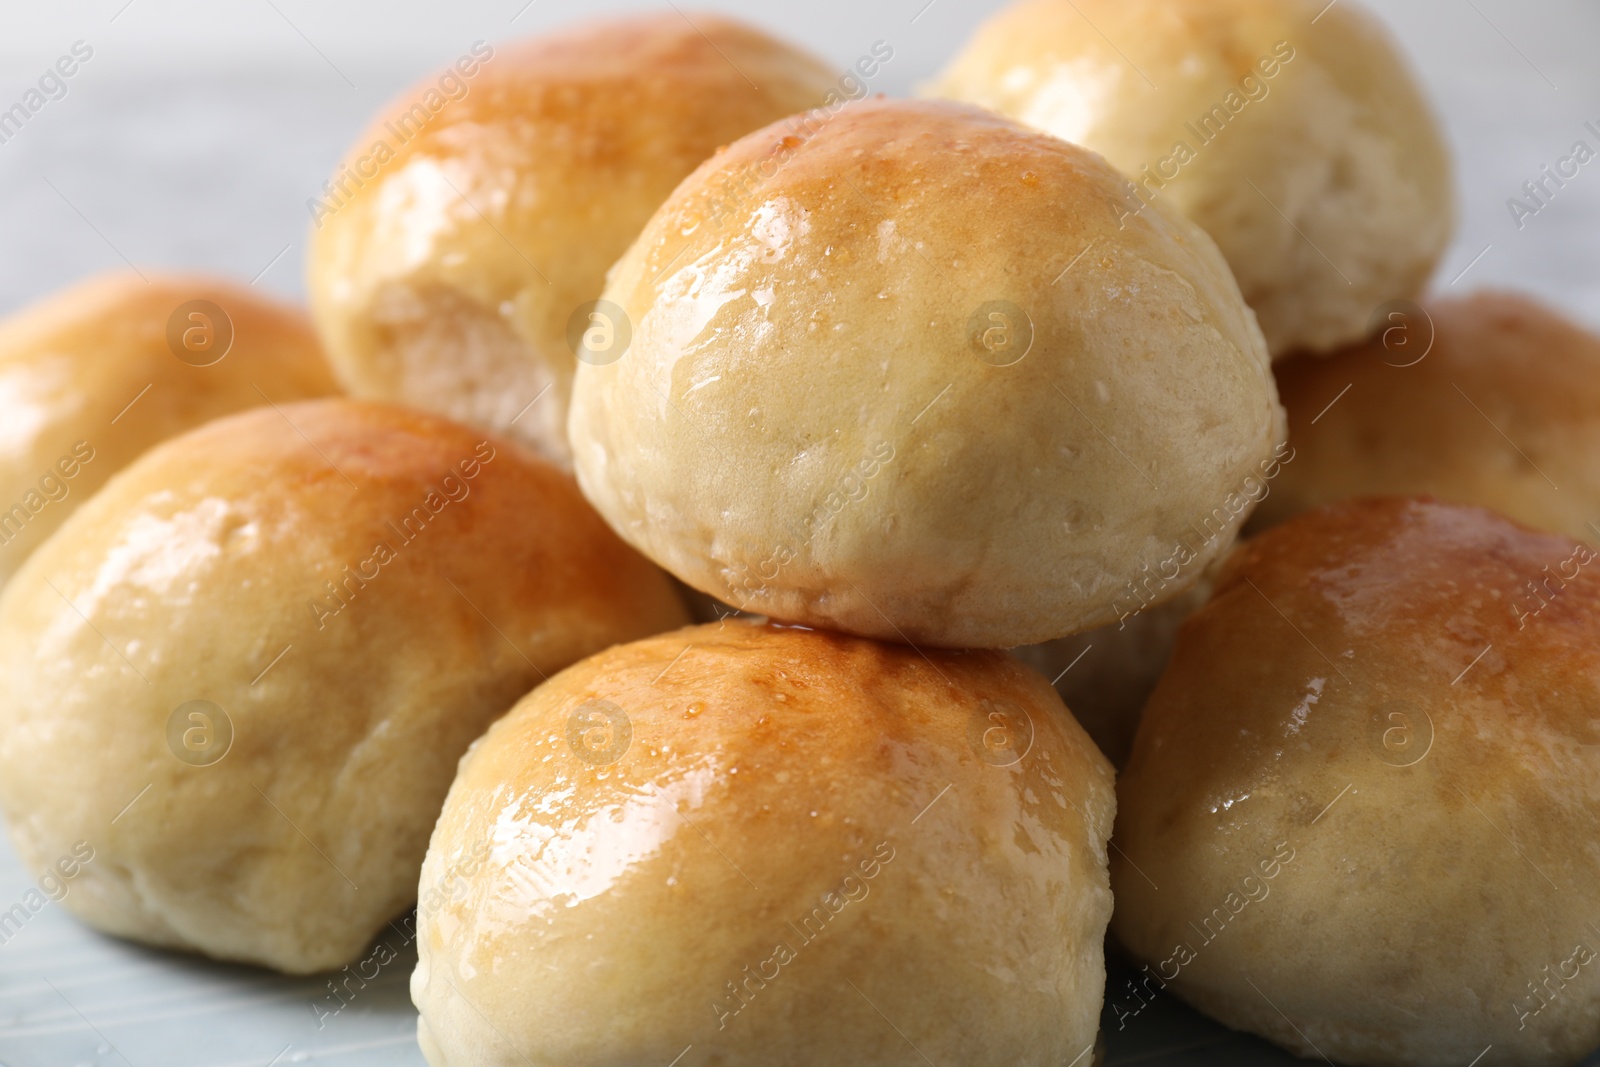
(96, 374)
(1360, 815)
(1292, 131)
(243, 672)
(782, 847)
(1488, 399)
(904, 374)
(459, 248)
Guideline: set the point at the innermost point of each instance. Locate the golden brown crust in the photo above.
(766, 766)
(1377, 692)
(807, 413)
(1485, 399)
(92, 366)
(597, 76)
(360, 589)
(445, 269)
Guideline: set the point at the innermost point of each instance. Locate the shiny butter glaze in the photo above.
(1371, 690)
(596, 912)
(209, 570)
(807, 425)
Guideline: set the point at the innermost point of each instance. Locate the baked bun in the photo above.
(1366, 787)
(709, 837)
(1487, 399)
(94, 375)
(1105, 676)
(914, 382)
(245, 670)
(459, 248)
(1292, 131)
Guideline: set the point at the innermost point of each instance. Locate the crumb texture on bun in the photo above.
(1292, 131)
(912, 380)
(1489, 399)
(1368, 786)
(766, 842)
(457, 248)
(96, 374)
(244, 671)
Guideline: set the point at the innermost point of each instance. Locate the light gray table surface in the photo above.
(193, 139)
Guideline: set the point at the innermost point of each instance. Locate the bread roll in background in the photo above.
(1105, 676)
(1292, 131)
(94, 375)
(1488, 399)
(769, 842)
(1366, 788)
(243, 672)
(461, 242)
(905, 375)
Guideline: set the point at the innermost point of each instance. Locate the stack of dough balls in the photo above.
(94, 375)
(1291, 131)
(460, 248)
(244, 670)
(954, 400)
(898, 371)
(765, 842)
(1365, 788)
(916, 381)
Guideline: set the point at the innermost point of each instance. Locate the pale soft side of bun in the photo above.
(445, 270)
(1105, 676)
(1292, 131)
(911, 851)
(906, 376)
(357, 591)
(1488, 399)
(89, 380)
(1367, 788)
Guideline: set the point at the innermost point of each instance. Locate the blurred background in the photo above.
(193, 135)
(196, 132)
